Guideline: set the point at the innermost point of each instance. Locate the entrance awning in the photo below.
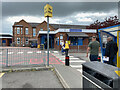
(77, 35)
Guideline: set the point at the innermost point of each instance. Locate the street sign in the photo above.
(48, 10)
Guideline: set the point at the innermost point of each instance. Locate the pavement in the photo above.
(31, 79)
(69, 76)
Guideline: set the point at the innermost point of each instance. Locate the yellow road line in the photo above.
(1, 74)
(118, 73)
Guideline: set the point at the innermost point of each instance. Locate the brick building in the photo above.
(5, 39)
(25, 33)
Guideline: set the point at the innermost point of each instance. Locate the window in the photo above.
(34, 31)
(76, 41)
(80, 41)
(18, 30)
(18, 40)
(21, 30)
(61, 36)
(58, 41)
(26, 30)
(41, 29)
(26, 41)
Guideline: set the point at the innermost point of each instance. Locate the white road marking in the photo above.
(69, 56)
(80, 70)
(38, 52)
(76, 66)
(29, 52)
(55, 51)
(74, 58)
(20, 53)
(77, 61)
(10, 52)
(0, 52)
(46, 51)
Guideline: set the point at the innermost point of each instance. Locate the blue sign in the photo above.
(75, 30)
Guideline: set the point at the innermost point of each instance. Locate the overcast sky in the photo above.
(77, 13)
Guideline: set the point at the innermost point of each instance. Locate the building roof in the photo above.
(77, 34)
(66, 26)
(57, 26)
(5, 36)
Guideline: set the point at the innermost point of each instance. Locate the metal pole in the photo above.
(48, 41)
(7, 59)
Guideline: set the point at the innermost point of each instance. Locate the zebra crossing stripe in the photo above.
(29, 52)
(77, 61)
(76, 66)
(46, 51)
(74, 58)
(69, 56)
(0, 52)
(10, 52)
(55, 51)
(38, 52)
(20, 53)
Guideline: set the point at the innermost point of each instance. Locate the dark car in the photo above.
(33, 45)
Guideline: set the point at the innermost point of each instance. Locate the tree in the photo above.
(111, 21)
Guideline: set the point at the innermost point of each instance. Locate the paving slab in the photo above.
(31, 79)
(69, 77)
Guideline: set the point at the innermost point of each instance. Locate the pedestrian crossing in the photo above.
(28, 52)
(74, 62)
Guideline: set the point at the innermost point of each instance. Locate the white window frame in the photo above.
(18, 30)
(26, 30)
(34, 32)
(18, 40)
(26, 40)
(41, 29)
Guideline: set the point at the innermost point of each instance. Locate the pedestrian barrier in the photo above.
(22, 56)
(78, 48)
(101, 76)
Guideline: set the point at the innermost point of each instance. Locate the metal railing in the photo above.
(78, 49)
(22, 56)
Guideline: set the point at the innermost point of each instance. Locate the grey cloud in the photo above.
(60, 9)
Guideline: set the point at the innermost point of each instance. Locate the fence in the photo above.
(78, 49)
(22, 56)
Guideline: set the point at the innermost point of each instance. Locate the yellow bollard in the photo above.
(38, 46)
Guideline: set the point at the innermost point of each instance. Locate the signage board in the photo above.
(48, 10)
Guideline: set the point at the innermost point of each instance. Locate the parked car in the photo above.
(33, 45)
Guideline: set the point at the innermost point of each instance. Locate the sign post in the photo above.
(118, 43)
(48, 13)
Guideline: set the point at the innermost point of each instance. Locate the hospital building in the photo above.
(25, 33)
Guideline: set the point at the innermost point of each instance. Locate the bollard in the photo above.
(67, 60)
(99, 58)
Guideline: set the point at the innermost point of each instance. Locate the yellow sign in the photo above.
(118, 73)
(118, 54)
(48, 10)
(69, 42)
